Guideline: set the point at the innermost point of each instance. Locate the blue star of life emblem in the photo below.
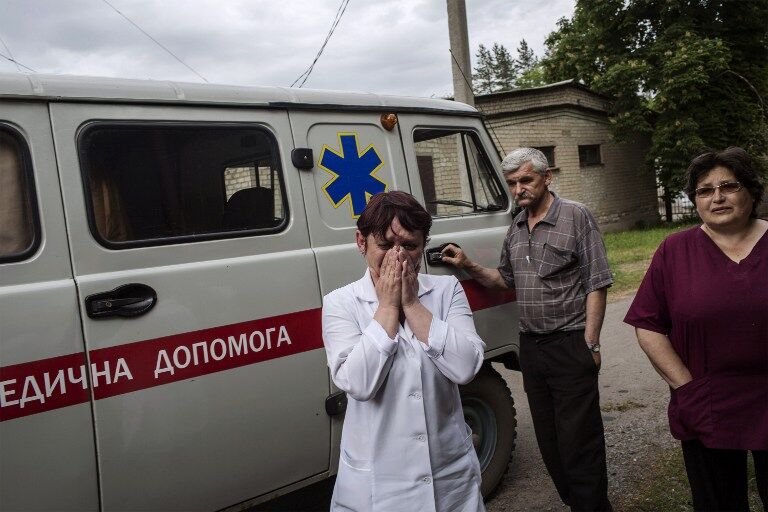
(353, 171)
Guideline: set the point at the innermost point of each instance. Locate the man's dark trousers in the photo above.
(560, 379)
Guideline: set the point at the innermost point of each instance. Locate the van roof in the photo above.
(79, 89)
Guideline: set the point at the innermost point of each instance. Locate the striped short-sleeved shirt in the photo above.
(555, 266)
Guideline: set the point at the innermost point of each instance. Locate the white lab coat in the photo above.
(405, 446)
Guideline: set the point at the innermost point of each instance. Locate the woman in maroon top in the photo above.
(701, 316)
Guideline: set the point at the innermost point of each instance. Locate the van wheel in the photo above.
(489, 410)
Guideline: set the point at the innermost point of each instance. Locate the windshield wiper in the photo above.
(453, 202)
(466, 204)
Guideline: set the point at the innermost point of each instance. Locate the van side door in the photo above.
(454, 171)
(47, 454)
(200, 302)
(354, 158)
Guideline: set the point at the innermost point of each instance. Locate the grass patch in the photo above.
(624, 406)
(630, 253)
(662, 484)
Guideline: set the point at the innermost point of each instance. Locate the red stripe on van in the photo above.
(39, 386)
(302, 333)
(48, 384)
(483, 298)
(28, 379)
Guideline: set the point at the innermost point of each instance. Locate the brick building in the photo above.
(569, 123)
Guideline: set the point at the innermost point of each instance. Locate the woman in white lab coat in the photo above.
(399, 343)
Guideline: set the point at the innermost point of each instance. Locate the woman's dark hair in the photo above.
(385, 206)
(734, 159)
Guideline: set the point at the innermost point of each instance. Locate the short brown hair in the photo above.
(735, 160)
(385, 206)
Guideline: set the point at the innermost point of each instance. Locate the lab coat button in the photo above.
(426, 480)
(421, 437)
(417, 396)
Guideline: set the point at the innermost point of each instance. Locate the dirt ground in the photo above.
(633, 398)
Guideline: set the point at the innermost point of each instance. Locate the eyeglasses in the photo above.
(727, 188)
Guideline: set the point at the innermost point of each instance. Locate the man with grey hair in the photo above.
(554, 258)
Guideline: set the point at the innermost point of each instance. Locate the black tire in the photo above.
(489, 410)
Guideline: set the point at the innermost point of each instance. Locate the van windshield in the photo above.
(456, 175)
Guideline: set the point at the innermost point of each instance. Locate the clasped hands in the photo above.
(396, 281)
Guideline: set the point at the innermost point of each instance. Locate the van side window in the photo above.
(456, 175)
(165, 183)
(17, 212)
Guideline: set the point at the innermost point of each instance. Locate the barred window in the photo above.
(589, 155)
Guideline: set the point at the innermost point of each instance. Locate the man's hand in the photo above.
(487, 277)
(455, 256)
(596, 356)
(388, 280)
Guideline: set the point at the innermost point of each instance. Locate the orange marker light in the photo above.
(388, 121)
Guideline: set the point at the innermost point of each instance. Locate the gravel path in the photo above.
(633, 430)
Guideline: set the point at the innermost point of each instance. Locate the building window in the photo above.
(152, 184)
(549, 152)
(589, 155)
(456, 175)
(19, 229)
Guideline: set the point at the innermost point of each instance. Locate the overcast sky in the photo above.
(384, 46)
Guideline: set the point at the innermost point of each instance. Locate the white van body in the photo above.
(204, 386)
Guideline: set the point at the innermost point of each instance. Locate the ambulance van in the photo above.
(164, 251)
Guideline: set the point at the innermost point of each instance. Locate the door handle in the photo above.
(434, 255)
(128, 300)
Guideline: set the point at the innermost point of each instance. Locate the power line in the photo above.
(16, 62)
(460, 70)
(18, 68)
(336, 20)
(158, 43)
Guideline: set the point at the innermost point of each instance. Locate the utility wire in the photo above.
(16, 62)
(18, 68)
(460, 70)
(158, 43)
(487, 124)
(339, 13)
(759, 98)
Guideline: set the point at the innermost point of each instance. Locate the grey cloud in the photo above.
(387, 46)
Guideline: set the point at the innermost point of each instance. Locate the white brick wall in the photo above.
(618, 192)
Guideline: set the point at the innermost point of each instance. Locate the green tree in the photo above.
(530, 71)
(505, 70)
(533, 77)
(526, 60)
(691, 73)
(484, 75)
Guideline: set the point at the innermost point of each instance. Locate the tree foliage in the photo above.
(497, 71)
(691, 73)
(530, 72)
(526, 60)
(505, 71)
(484, 77)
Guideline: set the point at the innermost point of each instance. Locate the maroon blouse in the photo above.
(715, 313)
